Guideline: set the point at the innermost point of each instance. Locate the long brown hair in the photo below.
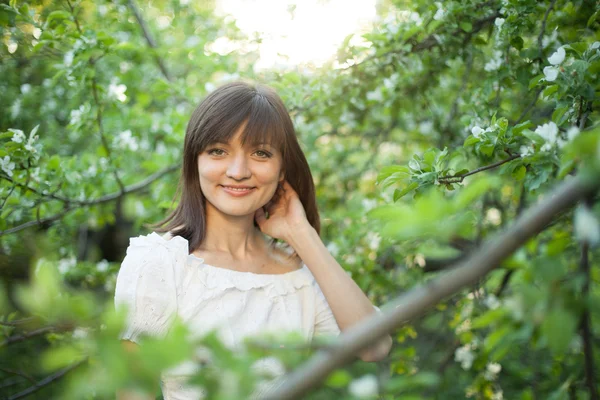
(217, 118)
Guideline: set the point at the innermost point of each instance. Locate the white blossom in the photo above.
(499, 22)
(492, 302)
(586, 225)
(440, 13)
(426, 127)
(572, 133)
(464, 355)
(368, 204)
(549, 132)
(80, 333)
(477, 131)
(557, 57)
(374, 239)
(77, 114)
(31, 140)
(551, 73)
(7, 166)
(375, 95)
(526, 150)
(37, 32)
(497, 395)
(68, 58)
(495, 63)
(18, 135)
(12, 46)
(491, 371)
(333, 249)
(117, 90)
(364, 387)
(126, 139)
(66, 264)
(102, 266)
(25, 88)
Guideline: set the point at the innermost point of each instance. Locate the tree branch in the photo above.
(460, 178)
(418, 300)
(138, 16)
(24, 336)
(76, 204)
(46, 381)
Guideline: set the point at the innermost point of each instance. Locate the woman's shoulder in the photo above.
(158, 242)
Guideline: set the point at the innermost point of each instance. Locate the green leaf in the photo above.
(519, 172)
(550, 90)
(399, 193)
(57, 15)
(592, 19)
(471, 140)
(558, 327)
(338, 379)
(535, 80)
(517, 42)
(466, 26)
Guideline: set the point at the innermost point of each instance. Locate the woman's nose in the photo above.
(238, 167)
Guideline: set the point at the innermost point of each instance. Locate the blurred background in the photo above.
(428, 126)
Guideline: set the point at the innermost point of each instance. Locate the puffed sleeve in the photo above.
(148, 283)
(325, 323)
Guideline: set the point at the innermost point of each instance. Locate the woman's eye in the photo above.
(215, 152)
(263, 154)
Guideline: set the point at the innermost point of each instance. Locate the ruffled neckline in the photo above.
(233, 272)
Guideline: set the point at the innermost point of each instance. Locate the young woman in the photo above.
(245, 182)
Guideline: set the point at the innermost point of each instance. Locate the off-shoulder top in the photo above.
(159, 280)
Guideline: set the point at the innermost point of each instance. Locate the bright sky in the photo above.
(309, 33)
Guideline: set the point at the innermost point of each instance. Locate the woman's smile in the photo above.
(238, 191)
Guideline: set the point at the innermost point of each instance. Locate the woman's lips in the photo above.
(237, 192)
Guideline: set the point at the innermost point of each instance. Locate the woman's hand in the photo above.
(286, 214)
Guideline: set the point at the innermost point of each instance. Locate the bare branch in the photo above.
(460, 178)
(418, 300)
(149, 39)
(76, 204)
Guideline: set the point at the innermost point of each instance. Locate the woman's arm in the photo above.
(287, 221)
(125, 394)
(347, 301)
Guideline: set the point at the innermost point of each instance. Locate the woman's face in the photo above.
(238, 180)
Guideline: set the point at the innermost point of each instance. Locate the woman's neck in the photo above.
(236, 236)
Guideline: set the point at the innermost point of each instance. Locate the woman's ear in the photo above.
(281, 176)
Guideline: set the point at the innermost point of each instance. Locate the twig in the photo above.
(149, 39)
(24, 336)
(74, 16)
(543, 30)
(102, 135)
(460, 178)
(19, 373)
(102, 199)
(46, 381)
(18, 322)
(418, 300)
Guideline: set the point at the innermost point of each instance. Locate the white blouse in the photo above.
(159, 280)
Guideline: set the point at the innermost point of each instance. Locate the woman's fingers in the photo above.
(260, 216)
